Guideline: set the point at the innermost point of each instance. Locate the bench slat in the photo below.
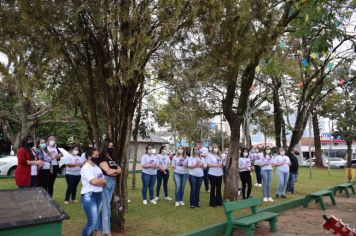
(237, 205)
(321, 193)
(252, 219)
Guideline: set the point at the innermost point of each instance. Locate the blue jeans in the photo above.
(148, 182)
(92, 205)
(282, 178)
(179, 181)
(266, 182)
(108, 190)
(162, 177)
(291, 180)
(195, 184)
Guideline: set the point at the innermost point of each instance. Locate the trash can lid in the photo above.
(28, 206)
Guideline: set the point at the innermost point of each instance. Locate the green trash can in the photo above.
(29, 212)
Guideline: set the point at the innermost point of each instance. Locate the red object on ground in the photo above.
(337, 227)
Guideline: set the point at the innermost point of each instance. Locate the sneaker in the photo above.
(270, 199)
(156, 199)
(208, 191)
(128, 201)
(182, 203)
(265, 199)
(153, 202)
(256, 184)
(259, 185)
(66, 202)
(177, 204)
(192, 207)
(144, 202)
(168, 199)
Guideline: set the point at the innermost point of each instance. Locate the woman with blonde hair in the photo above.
(179, 164)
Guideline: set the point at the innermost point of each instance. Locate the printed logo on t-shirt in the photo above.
(285, 161)
(180, 162)
(99, 176)
(248, 163)
(152, 162)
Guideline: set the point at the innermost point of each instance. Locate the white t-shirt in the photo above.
(214, 159)
(53, 151)
(164, 161)
(73, 159)
(180, 165)
(34, 168)
(282, 160)
(244, 164)
(88, 173)
(268, 159)
(256, 157)
(224, 158)
(198, 171)
(149, 160)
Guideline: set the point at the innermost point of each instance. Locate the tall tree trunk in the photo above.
(135, 138)
(278, 112)
(349, 157)
(317, 143)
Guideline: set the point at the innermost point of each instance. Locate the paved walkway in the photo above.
(305, 222)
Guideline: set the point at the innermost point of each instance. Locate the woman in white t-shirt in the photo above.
(245, 173)
(283, 163)
(163, 173)
(149, 164)
(92, 185)
(196, 166)
(73, 164)
(179, 164)
(215, 164)
(266, 173)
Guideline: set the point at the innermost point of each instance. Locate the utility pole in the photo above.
(310, 157)
(222, 132)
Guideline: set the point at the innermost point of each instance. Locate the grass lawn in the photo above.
(165, 219)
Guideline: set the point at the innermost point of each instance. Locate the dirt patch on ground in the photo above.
(302, 221)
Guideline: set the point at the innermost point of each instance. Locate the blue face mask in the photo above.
(43, 145)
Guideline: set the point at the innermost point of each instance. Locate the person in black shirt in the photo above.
(110, 169)
(293, 171)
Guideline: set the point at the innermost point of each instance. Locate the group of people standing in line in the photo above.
(209, 165)
(38, 166)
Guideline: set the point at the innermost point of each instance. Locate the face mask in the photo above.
(110, 151)
(75, 152)
(268, 151)
(164, 151)
(216, 150)
(210, 149)
(51, 143)
(43, 145)
(196, 152)
(282, 153)
(180, 151)
(31, 144)
(245, 154)
(95, 160)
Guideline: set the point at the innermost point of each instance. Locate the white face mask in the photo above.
(75, 152)
(268, 151)
(52, 143)
(245, 154)
(164, 151)
(282, 153)
(216, 150)
(226, 151)
(180, 151)
(151, 151)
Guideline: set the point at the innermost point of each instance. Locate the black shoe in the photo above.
(283, 196)
(192, 207)
(198, 206)
(277, 196)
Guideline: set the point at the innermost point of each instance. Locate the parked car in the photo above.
(306, 162)
(335, 162)
(8, 164)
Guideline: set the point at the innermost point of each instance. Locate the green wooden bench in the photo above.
(344, 187)
(318, 197)
(249, 222)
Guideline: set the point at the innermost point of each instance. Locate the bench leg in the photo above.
(228, 230)
(306, 202)
(273, 225)
(333, 201)
(249, 231)
(347, 192)
(352, 189)
(322, 205)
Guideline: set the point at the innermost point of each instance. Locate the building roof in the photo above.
(151, 139)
